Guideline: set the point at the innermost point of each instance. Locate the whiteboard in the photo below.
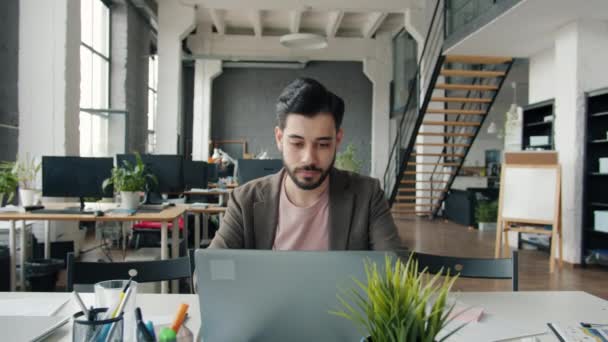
(529, 193)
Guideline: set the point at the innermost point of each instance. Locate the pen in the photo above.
(81, 304)
(141, 327)
(593, 325)
(179, 317)
(120, 311)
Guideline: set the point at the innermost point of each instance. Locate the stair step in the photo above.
(411, 212)
(422, 181)
(417, 197)
(456, 155)
(426, 172)
(412, 205)
(461, 99)
(477, 59)
(457, 86)
(451, 123)
(433, 134)
(456, 111)
(439, 164)
(442, 145)
(471, 73)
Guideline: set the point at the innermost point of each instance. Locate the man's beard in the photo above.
(309, 186)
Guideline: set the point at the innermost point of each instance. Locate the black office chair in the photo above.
(147, 271)
(484, 268)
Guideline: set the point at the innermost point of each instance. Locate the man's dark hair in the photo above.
(308, 97)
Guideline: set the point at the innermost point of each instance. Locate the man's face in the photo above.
(308, 145)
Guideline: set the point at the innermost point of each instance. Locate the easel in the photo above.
(526, 179)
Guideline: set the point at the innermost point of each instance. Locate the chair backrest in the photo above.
(147, 271)
(487, 268)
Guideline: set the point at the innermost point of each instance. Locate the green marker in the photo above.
(167, 335)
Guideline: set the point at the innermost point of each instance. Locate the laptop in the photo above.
(271, 296)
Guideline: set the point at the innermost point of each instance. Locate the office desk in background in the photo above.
(170, 214)
(504, 312)
(206, 212)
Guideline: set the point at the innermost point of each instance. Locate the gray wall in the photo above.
(130, 46)
(243, 105)
(9, 58)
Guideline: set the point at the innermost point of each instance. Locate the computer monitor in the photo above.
(76, 177)
(195, 174)
(212, 173)
(250, 169)
(166, 168)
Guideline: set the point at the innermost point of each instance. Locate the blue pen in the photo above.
(150, 327)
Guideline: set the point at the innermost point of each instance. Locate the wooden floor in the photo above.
(446, 238)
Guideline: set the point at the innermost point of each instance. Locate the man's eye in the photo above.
(324, 145)
(297, 144)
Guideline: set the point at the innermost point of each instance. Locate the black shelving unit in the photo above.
(534, 124)
(594, 182)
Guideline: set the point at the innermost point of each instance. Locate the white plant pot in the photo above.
(27, 197)
(130, 200)
(487, 226)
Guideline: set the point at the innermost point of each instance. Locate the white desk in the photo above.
(170, 214)
(530, 310)
(150, 304)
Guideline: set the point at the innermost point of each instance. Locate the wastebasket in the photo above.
(5, 269)
(42, 274)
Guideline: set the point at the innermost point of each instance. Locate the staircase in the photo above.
(462, 97)
(456, 93)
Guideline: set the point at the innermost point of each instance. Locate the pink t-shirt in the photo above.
(305, 229)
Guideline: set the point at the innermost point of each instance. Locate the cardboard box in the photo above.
(600, 217)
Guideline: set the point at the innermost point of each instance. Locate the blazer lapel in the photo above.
(341, 203)
(266, 213)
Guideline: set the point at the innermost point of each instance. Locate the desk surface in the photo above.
(529, 311)
(167, 214)
(207, 210)
(209, 192)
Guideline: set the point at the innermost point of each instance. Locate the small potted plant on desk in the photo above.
(130, 181)
(486, 214)
(26, 171)
(8, 183)
(399, 303)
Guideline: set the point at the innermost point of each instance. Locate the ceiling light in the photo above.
(304, 41)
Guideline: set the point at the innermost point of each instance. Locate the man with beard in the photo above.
(308, 205)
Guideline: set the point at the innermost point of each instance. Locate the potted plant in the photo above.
(26, 170)
(130, 180)
(398, 303)
(8, 183)
(347, 160)
(486, 214)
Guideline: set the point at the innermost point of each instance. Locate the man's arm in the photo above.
(382, 229)
(231, 232)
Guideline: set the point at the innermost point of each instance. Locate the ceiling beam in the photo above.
(256, 21)
(294, 21)
(333, 23)
(373, 23)
(217, 16)
(388, 6)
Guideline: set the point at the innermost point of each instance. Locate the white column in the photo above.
(379, 70)
(175, 22)
(205, 71)
(49, 77)
(580, 53)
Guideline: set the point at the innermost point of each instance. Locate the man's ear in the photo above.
(278, 137)
(339, 137)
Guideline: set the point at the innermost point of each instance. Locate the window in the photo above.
(152, 87)
(94, 77)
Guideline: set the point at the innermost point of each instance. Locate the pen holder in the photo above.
(97, 329)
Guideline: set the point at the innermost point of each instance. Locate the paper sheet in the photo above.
(31, 306)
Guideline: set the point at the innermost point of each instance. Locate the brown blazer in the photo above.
(359, 215)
